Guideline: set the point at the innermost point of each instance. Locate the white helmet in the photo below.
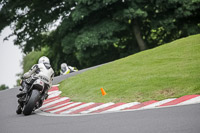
(63, 65)
(44, 60)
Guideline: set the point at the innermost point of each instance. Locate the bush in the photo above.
(3, 87)
(32, 58)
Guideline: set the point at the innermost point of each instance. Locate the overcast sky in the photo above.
(10, 60)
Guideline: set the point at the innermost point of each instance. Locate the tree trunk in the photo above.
(138, 36)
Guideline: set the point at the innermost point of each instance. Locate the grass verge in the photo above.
(170, 70)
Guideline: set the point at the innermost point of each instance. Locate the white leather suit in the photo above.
(44, 71)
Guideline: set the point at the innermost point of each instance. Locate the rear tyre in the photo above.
(28, 108)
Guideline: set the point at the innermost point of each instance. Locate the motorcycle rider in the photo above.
(65, 69)
(41, 70)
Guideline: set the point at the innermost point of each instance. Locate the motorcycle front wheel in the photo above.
(29, 106)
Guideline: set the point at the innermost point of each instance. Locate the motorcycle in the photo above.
(69, 70)
(34, 97)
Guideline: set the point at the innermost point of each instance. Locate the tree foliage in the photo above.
(94, 32)
(3, 87)
(32, 58)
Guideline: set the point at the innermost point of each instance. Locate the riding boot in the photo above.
(46, 92)
(23, 89)
(23, 92)
(20, 105)
(19, 109)
(46, 96)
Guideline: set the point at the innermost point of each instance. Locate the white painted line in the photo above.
(191, 101)
(122, 107)
(77, 108)
(56, 101)
(51, 92)
(68, 106)
(55, 85)
(55, 94)
(50, 100)
(97, 108)
(57, 106)
(153, 105)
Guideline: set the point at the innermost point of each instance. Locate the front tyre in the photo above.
(28, 108)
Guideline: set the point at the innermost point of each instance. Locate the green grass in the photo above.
(170, 70)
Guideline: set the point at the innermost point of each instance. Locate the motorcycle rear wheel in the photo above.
(28, 108)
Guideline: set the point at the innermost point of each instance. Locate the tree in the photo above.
(94, 32)
(3, 87)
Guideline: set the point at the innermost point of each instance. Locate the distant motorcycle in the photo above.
(34, 97)
(70, 69)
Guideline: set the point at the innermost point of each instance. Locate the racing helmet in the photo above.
(63, 65)
(44, 60)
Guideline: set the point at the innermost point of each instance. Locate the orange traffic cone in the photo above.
(103, 92)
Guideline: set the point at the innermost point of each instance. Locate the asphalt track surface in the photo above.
(178, 119)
